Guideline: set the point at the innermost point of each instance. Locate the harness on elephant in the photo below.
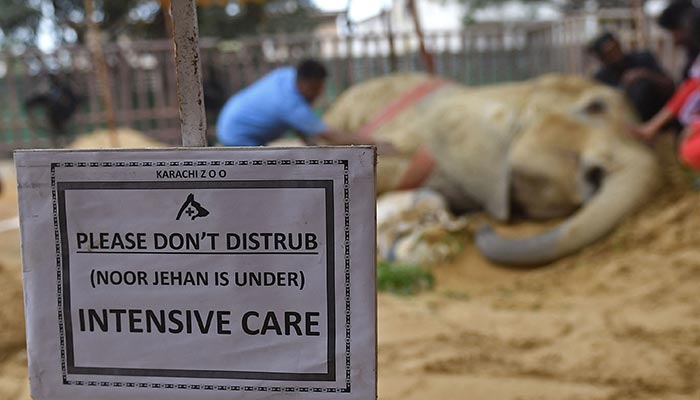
(422, 163)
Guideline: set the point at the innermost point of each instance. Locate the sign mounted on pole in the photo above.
(199, 273)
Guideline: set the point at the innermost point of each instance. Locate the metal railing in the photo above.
(143, 72)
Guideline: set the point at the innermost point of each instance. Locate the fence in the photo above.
(143, 77)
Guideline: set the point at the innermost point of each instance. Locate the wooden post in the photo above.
(167, 17)
(393, 63)
(188, 69)
(642, 27)
(98, 57)
(428, 61)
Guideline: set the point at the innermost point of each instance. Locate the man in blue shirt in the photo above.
(278, 102)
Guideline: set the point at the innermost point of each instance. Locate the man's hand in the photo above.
(648, 130)
(644, 132)
(386, 149)
(342, 139)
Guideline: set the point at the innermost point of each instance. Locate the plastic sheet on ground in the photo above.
(415, 227)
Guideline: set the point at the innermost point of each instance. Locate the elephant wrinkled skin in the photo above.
(547, 148)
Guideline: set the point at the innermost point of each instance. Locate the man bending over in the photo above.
(278, 102)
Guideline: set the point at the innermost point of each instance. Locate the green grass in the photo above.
(693, 178)
(403, 279)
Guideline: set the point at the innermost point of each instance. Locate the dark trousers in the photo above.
(646, 98)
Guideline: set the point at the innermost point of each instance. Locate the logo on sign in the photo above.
(191, 208)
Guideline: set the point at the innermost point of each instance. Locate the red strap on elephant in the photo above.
(422, 163)
(407, 99)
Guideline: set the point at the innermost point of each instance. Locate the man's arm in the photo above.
(650, 129)
(308, 140)
(336, 138)
(648, 68)
(661, 81)
(672, 108)
(313, 131)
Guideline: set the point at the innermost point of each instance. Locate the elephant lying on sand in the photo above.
(546, 148)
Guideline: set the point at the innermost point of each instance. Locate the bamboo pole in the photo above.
(393, 62)
(188, 69)
(641, 24)
(98, 59)
(428, 61)
(168, 20)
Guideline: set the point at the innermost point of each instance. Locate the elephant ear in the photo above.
(471, 147)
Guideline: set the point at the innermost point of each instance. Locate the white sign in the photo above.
(207, 274)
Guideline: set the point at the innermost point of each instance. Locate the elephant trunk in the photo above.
(626, 185)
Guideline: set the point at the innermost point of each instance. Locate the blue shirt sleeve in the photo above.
(302, 118)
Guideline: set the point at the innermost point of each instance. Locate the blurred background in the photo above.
(46, 52)
(620, 320)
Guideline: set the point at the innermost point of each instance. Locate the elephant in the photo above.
(552, 147)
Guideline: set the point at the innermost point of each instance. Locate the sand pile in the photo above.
(125, 138)
(13, 361)
(620, 320)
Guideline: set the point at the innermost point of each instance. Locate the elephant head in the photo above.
(571, 159)
(549, 148)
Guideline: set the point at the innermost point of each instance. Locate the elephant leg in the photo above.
(458, 201)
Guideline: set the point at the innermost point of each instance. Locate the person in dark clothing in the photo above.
(685, 105)
(674, 19)
(639, 74)
(214, 92)
(59, 102)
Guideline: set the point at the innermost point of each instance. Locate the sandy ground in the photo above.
(13, 359)
(621, 320)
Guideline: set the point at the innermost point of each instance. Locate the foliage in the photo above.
(564, 4)
(20, 19)
(471, 6)
(272, 16)
(403, 279)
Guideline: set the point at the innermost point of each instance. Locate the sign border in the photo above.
(329, 376)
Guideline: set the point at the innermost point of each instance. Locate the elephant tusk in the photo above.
(622, 191)
(526, 252)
